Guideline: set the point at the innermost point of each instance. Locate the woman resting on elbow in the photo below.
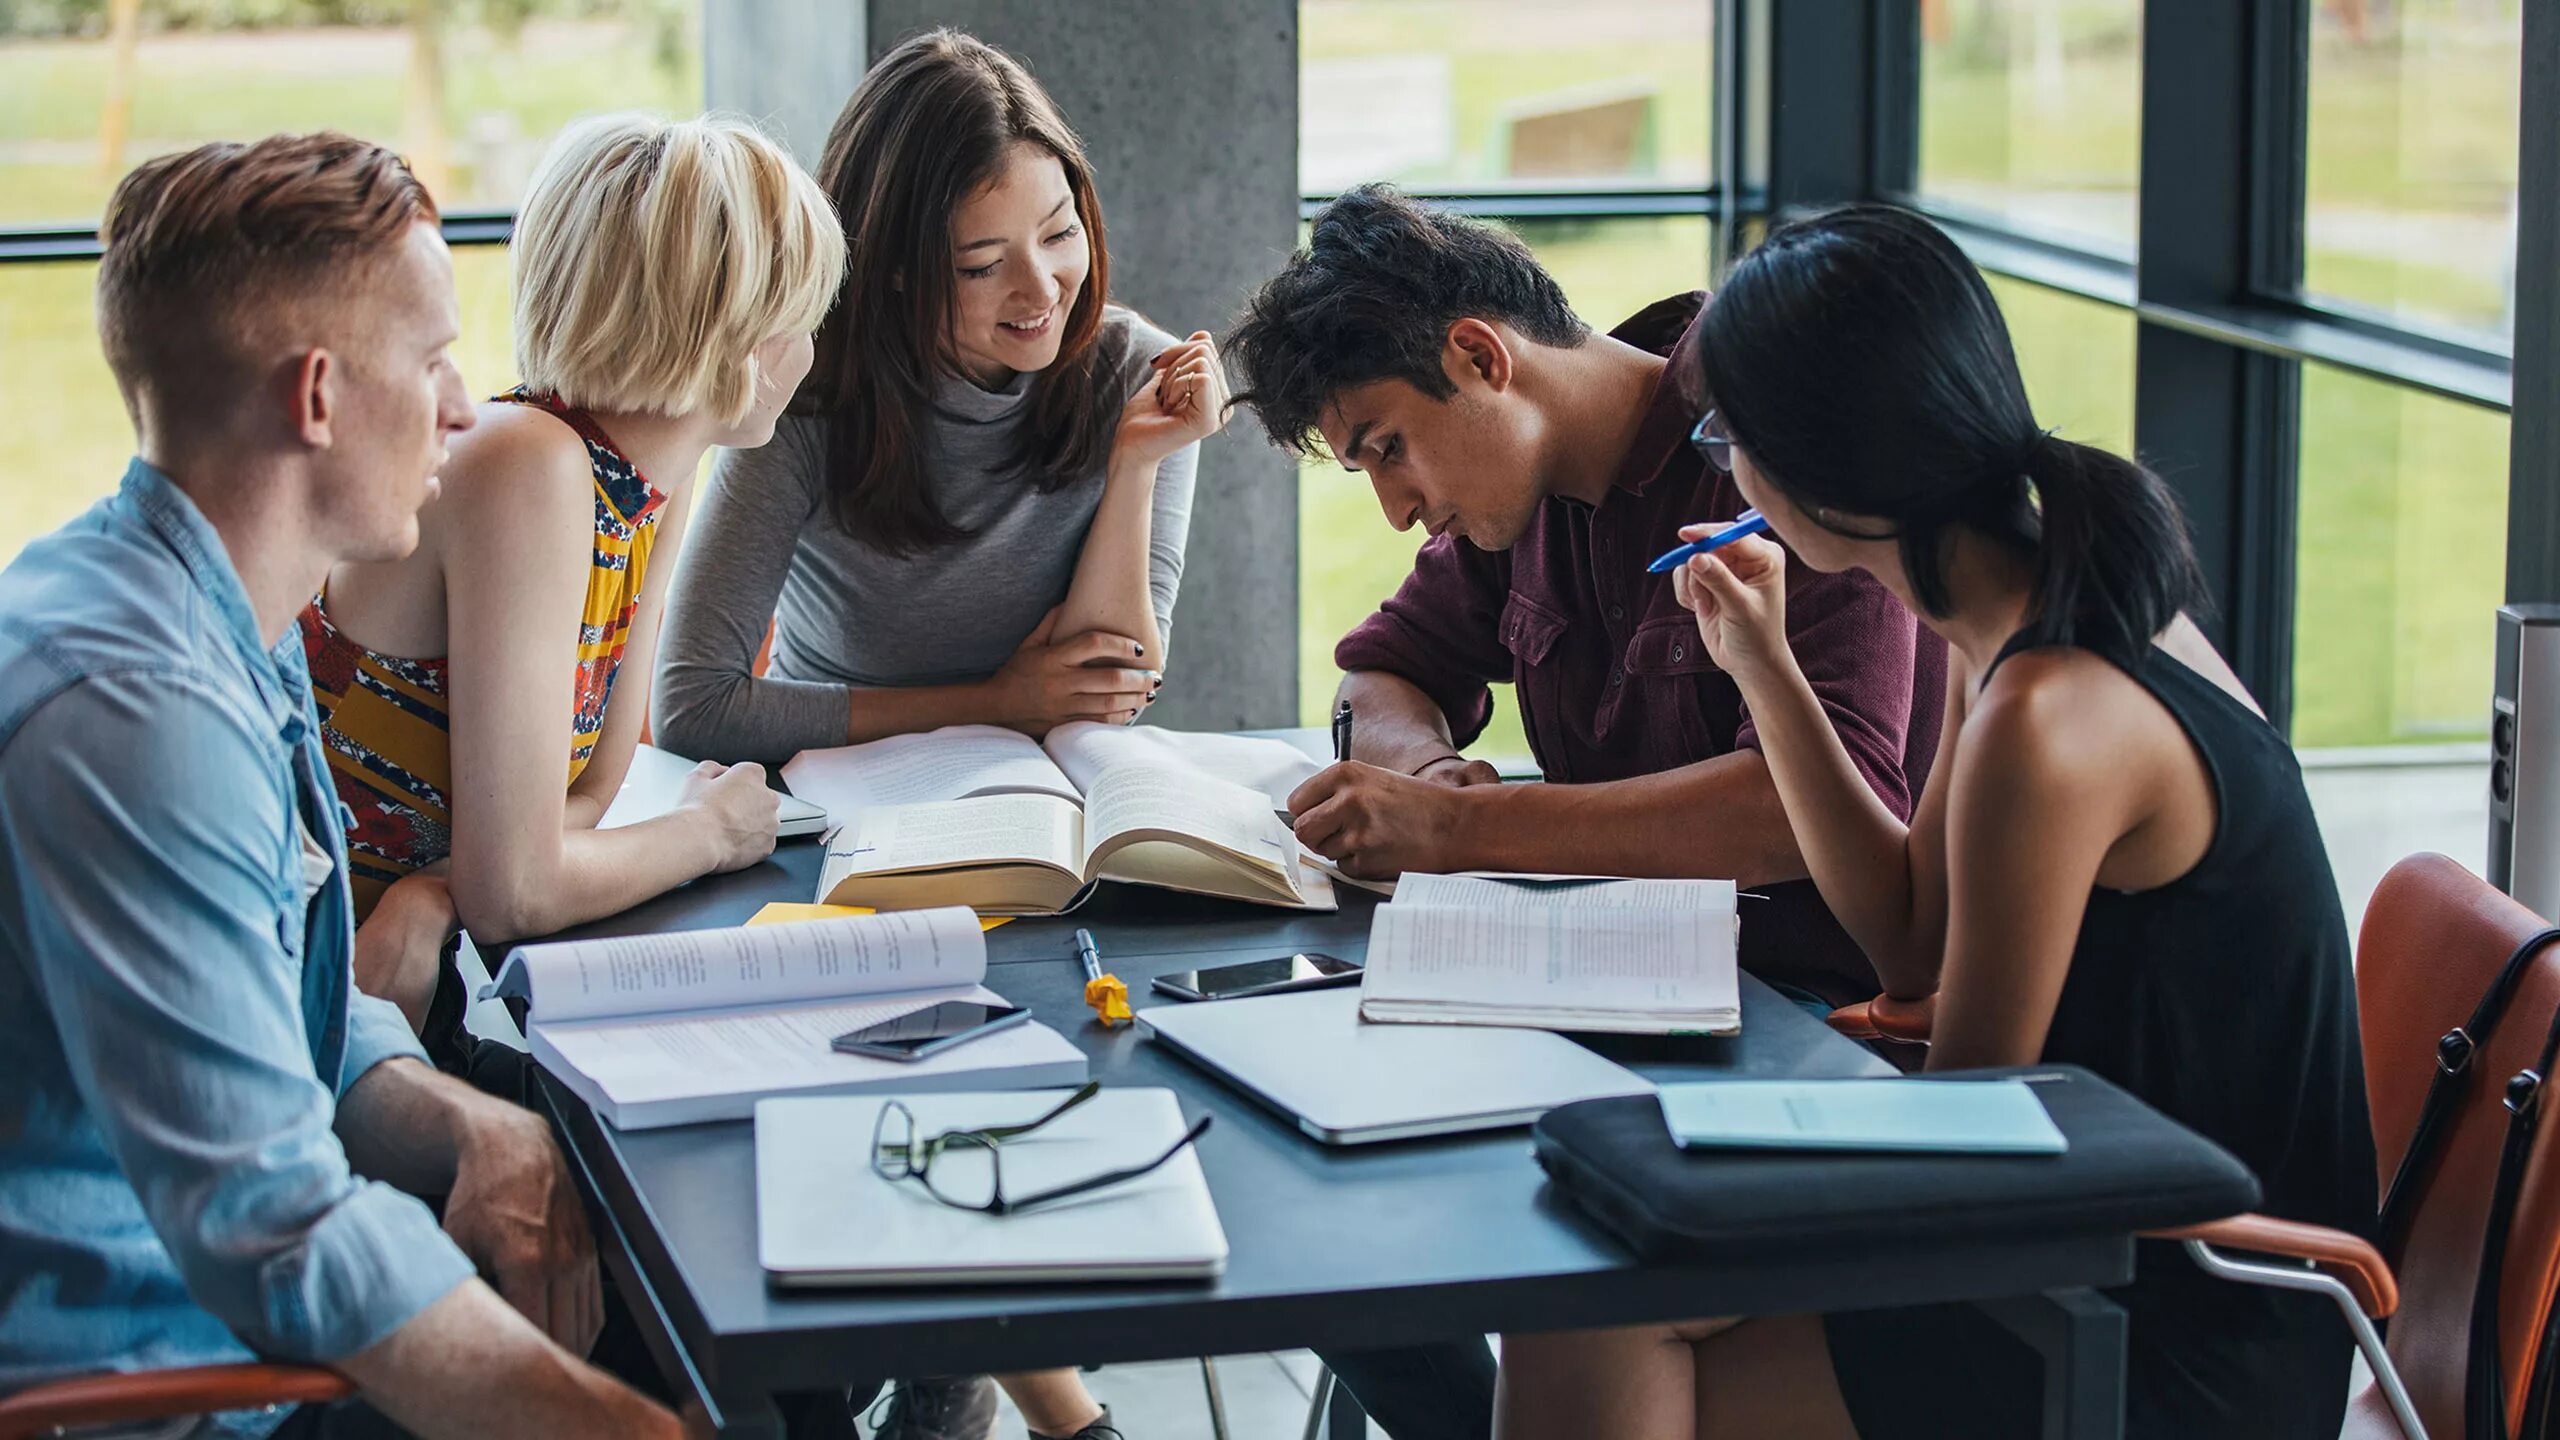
(2113, 863)
(482, 697)
(975, 511)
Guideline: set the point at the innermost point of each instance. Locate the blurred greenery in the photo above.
(2402, 495)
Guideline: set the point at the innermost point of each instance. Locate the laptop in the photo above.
(1346, 1082)
(656, 776)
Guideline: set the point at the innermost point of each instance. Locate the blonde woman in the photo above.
(481, 698)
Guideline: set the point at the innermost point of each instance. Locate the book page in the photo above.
(771, 964)
(989, 829)
(1226, 815)
(1578, 951)
(1084, 749)
(945, 764)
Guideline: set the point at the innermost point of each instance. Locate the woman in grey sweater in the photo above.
(976, 509)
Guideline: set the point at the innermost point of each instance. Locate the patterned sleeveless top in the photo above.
(384, 718)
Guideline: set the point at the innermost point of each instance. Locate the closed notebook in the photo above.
(1986, 1117)
(825, 1217)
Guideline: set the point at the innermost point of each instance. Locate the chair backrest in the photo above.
(2435, 935)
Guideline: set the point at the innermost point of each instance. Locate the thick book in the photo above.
(983, 817)
(814, 1177)
(697, 1025)
(1633, 957)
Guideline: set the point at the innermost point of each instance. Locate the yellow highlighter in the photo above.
(1105, 993)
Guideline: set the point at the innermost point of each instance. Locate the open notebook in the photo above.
(978, 816)
(1640, 957)
(700, 1024)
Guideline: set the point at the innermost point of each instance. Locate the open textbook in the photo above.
(979, 816)
(1639, 957)
(958, 761)
(697, 1025)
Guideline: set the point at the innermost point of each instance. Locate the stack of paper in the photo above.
(1642, 957)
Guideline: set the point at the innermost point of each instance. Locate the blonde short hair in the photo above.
(653, 257)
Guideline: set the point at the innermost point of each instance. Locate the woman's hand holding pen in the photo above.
(1739, 594)
(1184, 401)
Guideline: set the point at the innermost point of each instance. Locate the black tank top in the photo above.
(2225, 999)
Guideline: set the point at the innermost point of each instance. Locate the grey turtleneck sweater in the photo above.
(764, 543)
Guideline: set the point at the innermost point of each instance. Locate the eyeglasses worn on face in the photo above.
(964, 1169)
(1713, 443)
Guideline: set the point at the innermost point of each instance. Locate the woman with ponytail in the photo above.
(2113, 864)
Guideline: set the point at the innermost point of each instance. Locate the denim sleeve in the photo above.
(376, 1031)
(140, 814)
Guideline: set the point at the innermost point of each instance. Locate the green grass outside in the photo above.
(2402, 495)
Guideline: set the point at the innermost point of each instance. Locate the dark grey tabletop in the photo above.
(1361, 1247)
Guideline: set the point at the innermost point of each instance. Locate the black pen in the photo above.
(1341, 730)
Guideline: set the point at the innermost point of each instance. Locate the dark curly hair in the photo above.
(1372, 297)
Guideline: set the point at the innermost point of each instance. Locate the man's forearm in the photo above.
(469, 1368)
(1718, 818)
(403, 1123)
(1396, 725)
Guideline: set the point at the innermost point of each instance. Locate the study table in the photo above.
(1351, 1248)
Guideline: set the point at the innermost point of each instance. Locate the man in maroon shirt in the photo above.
(1550, 464)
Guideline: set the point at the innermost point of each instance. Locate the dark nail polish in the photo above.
(1141, 649)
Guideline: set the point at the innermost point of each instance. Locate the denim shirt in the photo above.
(177, 1022)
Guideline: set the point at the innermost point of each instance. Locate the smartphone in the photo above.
(929, 1031)
(1306, 970)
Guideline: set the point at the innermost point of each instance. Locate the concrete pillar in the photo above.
(788, 64)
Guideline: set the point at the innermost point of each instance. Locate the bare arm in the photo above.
(2033, 811)
(521, 537)
(469, 1368)
(1884, 880)
(1183, 402)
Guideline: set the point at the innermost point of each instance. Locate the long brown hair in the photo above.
(927, 128)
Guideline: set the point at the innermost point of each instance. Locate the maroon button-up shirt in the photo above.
(1612, 679)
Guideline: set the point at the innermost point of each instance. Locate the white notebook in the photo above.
(960, 761)
(1310, 1057)
(823, 1217)
(1994, 1117)
(698, 1025)
(1640, 957)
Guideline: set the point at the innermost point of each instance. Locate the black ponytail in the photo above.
(1858, 358)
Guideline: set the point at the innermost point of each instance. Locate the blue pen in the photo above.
(1749, 522)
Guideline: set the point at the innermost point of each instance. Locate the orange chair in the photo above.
(91, 1400)
(2436, 939)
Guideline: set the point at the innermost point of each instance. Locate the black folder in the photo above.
(2129, 1169)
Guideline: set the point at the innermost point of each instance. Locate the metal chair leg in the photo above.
(1217, 1401)
(1318, 1402)
(2285, 1277)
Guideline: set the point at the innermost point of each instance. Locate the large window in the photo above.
(2077, 357)
(470, 90)
(2031, 112)
(2410, 195)
(2403, 547)
(1502, 94)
